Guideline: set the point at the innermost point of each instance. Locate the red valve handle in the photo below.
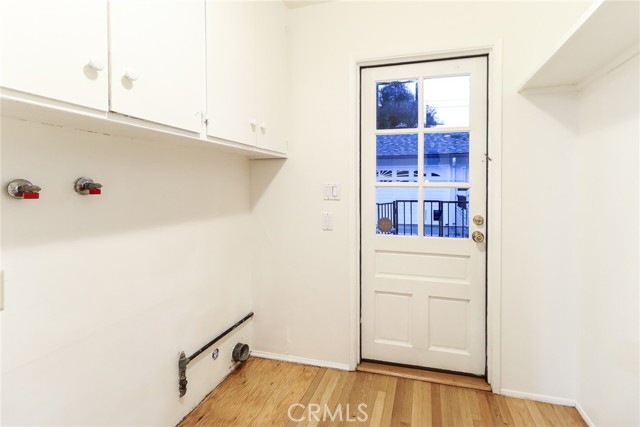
(31, 196)
(95, 191)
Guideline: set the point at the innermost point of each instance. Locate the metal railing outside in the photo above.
(441, 218)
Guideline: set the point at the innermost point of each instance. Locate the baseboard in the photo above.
(538, 397)
(300, 360)
(584, 415)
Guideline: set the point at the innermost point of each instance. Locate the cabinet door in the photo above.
(55, 48)
(158, 60)
(231, 109)
(271, 78)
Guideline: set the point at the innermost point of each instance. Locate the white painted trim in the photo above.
(584, 415)
(539, 397)
(354, 216)
(300, 360)
(494, 220)
(494, 206)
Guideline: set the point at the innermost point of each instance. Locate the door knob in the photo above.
(478, 236)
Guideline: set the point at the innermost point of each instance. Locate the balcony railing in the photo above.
(441, 218)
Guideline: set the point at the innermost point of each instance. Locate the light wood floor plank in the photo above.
(505, 413)
(390, 396)
(549, 414)
(472, 412)
(538, 419)
(421, 413)
(403, 404)
(344, 383)
(519, 411)
(260, 393)
(436, 406)
(306, 398)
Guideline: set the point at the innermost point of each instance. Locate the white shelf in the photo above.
(604, 38)
(36, 109)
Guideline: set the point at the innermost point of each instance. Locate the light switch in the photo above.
(335, 192)
(327, 191)
(1, 290)
(332, 191)
(327, 221)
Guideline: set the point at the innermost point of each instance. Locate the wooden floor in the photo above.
(264, 392)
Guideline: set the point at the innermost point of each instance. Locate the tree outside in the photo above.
(397, 106)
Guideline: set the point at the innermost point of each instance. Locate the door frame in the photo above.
(493, 50)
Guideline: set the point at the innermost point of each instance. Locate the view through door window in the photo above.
(445, 156)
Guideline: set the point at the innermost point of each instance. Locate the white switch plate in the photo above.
(332, 191)
(1, 290)
(327, 221)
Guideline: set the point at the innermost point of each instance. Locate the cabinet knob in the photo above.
(96, 63)
(131, 74)
(253, 123)
(263, 127)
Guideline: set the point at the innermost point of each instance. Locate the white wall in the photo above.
(304, 276)
(609, 331)
(103, 292)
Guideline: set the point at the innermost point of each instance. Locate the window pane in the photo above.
(446, 157)
(397, 211)
(446, 102)
(397, 158)
(397, 105)
(446, 212)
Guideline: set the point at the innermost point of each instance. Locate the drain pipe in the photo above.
(240, 354)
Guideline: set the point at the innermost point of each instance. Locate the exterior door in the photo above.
(423, 207)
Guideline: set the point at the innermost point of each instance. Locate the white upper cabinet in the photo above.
(230, 71)
(56, 49)
(159, 65)
(246, 66)
(158, 61)
(271, 75)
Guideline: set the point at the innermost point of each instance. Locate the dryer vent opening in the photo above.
(240, 352)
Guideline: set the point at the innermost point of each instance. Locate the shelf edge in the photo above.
(36, 109)
(574, 29)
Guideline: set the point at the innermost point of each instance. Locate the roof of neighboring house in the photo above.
(436, 143)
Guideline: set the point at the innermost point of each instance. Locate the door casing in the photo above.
(493, 49)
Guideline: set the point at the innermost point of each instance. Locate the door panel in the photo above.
(271, 75)
(158, 61)
(423, 145)
(231, 68)
(47, 48)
